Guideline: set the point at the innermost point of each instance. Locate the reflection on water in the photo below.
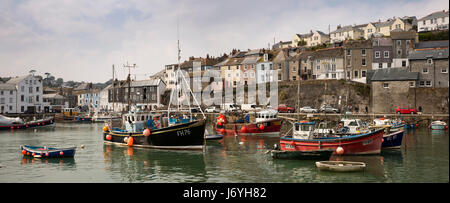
(423, 157)
(153, 165)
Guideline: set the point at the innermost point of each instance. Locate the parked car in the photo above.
(211, 109)
(405, 110)
(283, 108)
(328, 109)
(308, 109)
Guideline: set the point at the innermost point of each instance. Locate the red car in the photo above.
(282, 108)
(405, 110)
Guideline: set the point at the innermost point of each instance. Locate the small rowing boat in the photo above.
(50, 152)
(340, 166)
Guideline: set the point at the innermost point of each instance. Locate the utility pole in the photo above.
(129, 82)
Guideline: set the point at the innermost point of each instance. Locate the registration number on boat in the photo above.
(366, 142)
(183, 132)
(289, 146)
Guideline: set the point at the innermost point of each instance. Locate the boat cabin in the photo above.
(138, 121)
(264, 115)
(303, 130)
(355, 126)
(70, 112)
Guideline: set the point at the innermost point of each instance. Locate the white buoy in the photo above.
(82, 146)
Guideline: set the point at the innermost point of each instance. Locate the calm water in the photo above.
(424, 157)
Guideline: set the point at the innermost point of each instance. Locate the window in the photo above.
(363, 62)
(356, 73)
(380, 65)
(385, 85)
(444, 70)
(425, 70)
(22, 98)
(386, 54)
(348, 52)
(377, 54)
(333, 75)
(430, 61)
(22, 109)
(389, 65)
(294, 77)
(318, 67)
(399, 42)
(262, 67)
(333, 67)
(363, 52)
(428, 83)
(245, 75)
(363, 73)
(399, 52)
(294, 69)
(404, 63)
(398, 26)
(412, 84)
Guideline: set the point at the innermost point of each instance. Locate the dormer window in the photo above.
(266, 57)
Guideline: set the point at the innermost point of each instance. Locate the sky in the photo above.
(81, 40)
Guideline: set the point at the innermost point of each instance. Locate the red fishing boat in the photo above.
(264, 122)
(305, 138)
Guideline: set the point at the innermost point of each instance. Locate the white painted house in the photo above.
(435, 21)
(22, 95)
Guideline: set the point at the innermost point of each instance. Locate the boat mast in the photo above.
(129, 83)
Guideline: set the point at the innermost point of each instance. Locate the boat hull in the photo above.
(437, 127)
(44, 152)
(368, 143)
(308, 155)
(340, 166)
(271, 128)
(182, 136)
(393, 140)
(30, 124)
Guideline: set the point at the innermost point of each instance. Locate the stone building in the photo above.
(402, 43)
(390, 88)
(328, 63)
(432, 66)
(382, 52)
(358, 59)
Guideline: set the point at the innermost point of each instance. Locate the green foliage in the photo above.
(434, 35)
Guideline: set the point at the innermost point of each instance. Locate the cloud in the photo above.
(81, 39)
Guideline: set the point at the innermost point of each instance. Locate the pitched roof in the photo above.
(17, 80)
(432, 44)
(336, 52)
(345, 29)
(401, 34)
(394, 74)
(435, 53)
(438, 14)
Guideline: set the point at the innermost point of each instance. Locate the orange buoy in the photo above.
(105, 128)
(340, 150)
(108, 137)
(222, 130)
(130, 141)
(33, 154)
(46, 154)
(146, 132)
(61, 153)
(24, 152)
(382, 140)
(243, 129)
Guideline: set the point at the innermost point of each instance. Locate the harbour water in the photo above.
(423, 158)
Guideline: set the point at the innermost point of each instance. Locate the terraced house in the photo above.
(358, 59)
(328, 63)
(379, 28)
(434, 21)
(310, 39)
(432, 66)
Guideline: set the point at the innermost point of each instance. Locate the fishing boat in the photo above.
(304, 139)
(341, 166)
(47, 152)
(264, 122)
(307, 155)
(438, 125)
(145, 129)
(166, 131)
(102, 117)
(7, 123)
(382, 122)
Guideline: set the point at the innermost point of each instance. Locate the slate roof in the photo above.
(421, 54)
(394, 74)
(438, 14)
(432, 44)
(345, 29)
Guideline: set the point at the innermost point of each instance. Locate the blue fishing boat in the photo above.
(392, 139)
(47, 152)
